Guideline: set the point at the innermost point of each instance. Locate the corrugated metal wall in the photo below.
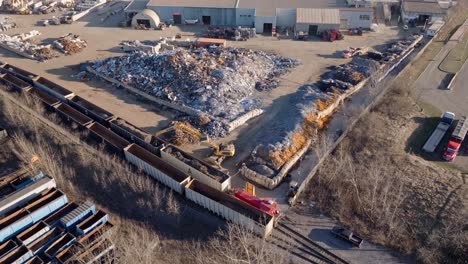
(157, 174)
(321, 27)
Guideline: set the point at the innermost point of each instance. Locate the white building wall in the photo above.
(356, 19)
(245, 17)
(260, 20)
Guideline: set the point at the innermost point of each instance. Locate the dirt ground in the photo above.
(103, 38)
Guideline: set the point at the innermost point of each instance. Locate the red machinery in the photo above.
(332, 35)
(266, 205)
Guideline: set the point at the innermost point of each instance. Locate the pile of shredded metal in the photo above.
(217, 81)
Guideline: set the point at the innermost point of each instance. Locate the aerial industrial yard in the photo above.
(233, 131)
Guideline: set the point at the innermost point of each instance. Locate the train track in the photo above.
(302, 247)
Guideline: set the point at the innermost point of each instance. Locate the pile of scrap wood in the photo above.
(70, 44)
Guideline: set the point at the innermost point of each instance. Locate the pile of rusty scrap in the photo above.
(70, 44)
(295, 128)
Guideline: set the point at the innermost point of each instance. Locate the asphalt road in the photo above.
(431, 89)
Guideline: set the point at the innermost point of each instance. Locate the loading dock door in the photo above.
(144, 22)
(313, 29)
(206, 20)
(177, 18)
(267, 28)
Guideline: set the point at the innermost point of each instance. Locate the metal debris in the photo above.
(217, 81)
(70, 44)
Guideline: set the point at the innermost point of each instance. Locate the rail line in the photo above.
(306, 245)
(295, 250)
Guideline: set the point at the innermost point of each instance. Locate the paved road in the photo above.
(431, 88)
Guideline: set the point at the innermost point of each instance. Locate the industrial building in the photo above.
(317, 20)
(265, 16)
(422, 11)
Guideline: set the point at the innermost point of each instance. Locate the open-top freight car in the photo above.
(14, 83)
(196, 168)
(230, 208)
(46, 99)
(105, 135)
(135, 135)
(95, 112)
(19, 197)
(71, 115)
(53, 89)
(157, 168)
(19, 73)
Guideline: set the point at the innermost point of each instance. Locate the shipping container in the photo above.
(82, 211)
(52, 88)
(18, 72)
(230, 208)
(54, 219)
(14, 83)
(71, 115)
(135, 135)
(91, 222)
(156, 167)
(7, 247)
(111, 139)
(39, 245)
(20, 197)
(210, 176)
(95, 112)
(32, 233)
(60, 244)
(17, 256)
(47, 100)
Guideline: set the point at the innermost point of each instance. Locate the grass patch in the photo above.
(428, 109)
(453, 62)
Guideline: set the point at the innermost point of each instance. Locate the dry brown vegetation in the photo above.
(148, 218)
(395, 198)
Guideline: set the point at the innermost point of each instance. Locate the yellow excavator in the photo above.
(220, 153)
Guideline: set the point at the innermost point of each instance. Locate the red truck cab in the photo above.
(456, 139)
(452, 149)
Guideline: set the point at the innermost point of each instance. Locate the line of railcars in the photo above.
(145, 152)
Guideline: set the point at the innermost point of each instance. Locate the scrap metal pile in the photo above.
(313, 106)
(70, 44)
(6, 23)
(217, 81)
(21, 44)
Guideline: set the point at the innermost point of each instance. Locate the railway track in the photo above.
(302, 247)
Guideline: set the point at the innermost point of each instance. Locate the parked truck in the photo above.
(347, 235)
(439, 133)
(456, 139)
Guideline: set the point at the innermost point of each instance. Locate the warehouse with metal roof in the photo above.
(314, 20)
(267, 16)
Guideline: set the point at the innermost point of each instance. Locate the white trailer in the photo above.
(439, 133)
